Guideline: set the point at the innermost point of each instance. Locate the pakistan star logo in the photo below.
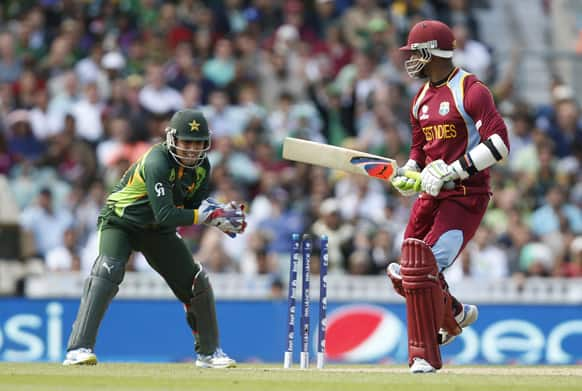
(194, 126)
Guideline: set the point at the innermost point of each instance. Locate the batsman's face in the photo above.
(416, 64)
(189, 151)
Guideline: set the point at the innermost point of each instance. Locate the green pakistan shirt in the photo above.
(156, 192)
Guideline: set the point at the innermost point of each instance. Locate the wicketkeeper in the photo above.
(457, 134)
(166, 188)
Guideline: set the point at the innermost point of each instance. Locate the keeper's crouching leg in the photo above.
(100, 288)
(201, 314)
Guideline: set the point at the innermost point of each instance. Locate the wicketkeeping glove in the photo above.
(407, 185)
(229, 218)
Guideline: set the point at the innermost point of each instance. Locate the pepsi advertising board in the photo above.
(255, 331)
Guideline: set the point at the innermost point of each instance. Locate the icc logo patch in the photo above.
(444, 108)
(424, 110)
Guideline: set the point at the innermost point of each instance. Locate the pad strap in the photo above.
(452, 308)
(393, 272)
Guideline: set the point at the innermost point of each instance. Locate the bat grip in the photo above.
(416, 175)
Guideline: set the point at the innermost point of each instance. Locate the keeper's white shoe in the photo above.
(465, 318)
(81, 356)
(420, 365)
(217, 360)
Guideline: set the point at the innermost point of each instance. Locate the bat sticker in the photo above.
(376, 168)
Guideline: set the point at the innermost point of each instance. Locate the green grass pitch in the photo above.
(145, 377)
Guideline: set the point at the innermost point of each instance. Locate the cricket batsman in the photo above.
(166, 188)
(457, 134)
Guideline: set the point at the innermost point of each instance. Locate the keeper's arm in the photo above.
(161, 196)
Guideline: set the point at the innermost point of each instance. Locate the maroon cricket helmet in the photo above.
(433, 35)
(427, 38)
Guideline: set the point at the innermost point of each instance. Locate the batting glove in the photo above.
(435, 175)
(407, 184)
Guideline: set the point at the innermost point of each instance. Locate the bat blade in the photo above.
(339, 158)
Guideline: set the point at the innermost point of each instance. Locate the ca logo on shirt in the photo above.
(444, 108)
(159, 188)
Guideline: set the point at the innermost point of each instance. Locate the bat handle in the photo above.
(408, 173)
(416, 175)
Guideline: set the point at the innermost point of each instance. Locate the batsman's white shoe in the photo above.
(420, 365)
(465, 318)
(217, 360)
(81, 356)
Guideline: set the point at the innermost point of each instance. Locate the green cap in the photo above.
(190, 124)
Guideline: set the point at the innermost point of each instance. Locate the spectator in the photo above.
(66, 256)
(382, 250)
(22, 143)
(88, 114)
(487, 260)
(47, 224)
(59, 60)
(6, 158)
(336, 111)
(567, 131)
(156, 96)
(10, 64)
(281, 222)
(43, 125)
(64, 92)
(536, 260)
(277, 78)
(243, 170)
(359, 263)
(224, 119)
(220, 69)
(327, 15)
(520, 130)
(355, 21)
(459, 12)
(360, 198)
(25, 89)
(573, 268)
(338, 231)
(88, 69)
(120, 144)
(471, 55)
(548, 218)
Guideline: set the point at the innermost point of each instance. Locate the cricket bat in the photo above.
(343, 159)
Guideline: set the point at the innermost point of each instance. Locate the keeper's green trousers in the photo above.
(166, 253)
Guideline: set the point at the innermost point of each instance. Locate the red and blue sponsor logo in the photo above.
(363, 333)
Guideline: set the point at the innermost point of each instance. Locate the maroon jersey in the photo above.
(450, 119)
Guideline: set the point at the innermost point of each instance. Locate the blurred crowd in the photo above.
(87, 86)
